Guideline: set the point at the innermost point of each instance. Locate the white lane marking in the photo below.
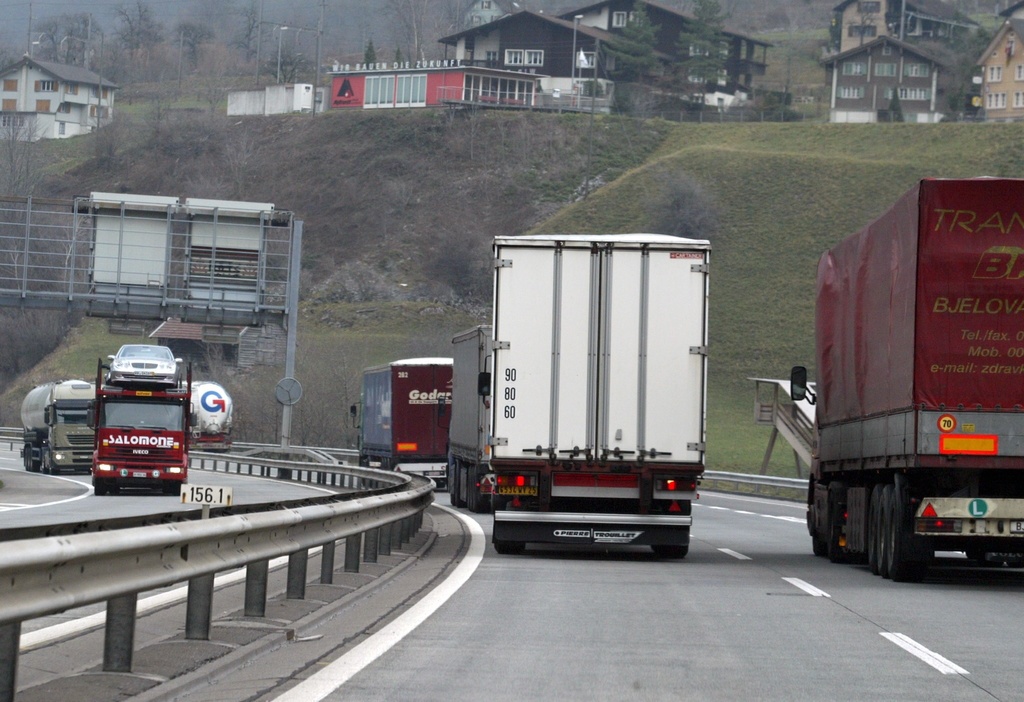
(780, 517)
(87, 493)
(795, 520)
(807, 587)
(943, 665)
(737, 556)
(340, 671)
(756, 500)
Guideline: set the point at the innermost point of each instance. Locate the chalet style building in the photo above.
(563, 49)
(862, 21)
(47, 100)
(864, 80)
(1002, 65)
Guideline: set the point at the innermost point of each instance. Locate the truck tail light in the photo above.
(406, 446)
(675, 484)
(939, 526)
(518, 480)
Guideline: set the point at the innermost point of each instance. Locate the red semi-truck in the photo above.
(920, 382)
(599, 388)
(405, 413)
(141, 436)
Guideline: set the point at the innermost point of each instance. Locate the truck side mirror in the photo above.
(90, 412)
(483, 384)
(353, 413)
(798, 389)
(442, 406)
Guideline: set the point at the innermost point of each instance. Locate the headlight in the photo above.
(104, 467)
(174, 469)
(58, 456)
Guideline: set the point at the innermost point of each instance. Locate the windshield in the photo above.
(72, 416)
(142, 415)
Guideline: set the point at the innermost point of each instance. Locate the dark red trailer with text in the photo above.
(920, 364)
(406, 407)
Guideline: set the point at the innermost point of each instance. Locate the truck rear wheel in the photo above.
(834, 545)
(903, 567)
(873, 526)
(455, 490)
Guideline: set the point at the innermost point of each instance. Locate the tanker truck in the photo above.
(920, 358)
(57, 436)
(211, 417)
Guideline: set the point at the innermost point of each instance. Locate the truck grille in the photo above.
(80, 440)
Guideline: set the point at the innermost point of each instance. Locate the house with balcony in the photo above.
(1002, 66)
(47, 100)
(861, 21)
(865, 80)
(564, 49)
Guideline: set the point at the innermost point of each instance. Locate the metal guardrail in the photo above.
(763, 485)
(115, 560)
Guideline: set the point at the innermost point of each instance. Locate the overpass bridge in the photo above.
(793, 421)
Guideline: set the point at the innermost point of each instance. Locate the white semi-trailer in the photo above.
(598, 389)
(470, 481)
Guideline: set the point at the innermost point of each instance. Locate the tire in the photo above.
(885, 535)
(903, 567)
(819, 546)
(457, 492)
(670, 550)
(172, 488)
(509, 548)
(99, 487)
(835, 551)
(873, 527)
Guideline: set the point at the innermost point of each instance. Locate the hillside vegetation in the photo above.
(400, 207)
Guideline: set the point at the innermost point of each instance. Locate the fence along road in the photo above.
(49, 574)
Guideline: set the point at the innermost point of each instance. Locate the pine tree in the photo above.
(702, 44)
(370, 55)
(633, 50)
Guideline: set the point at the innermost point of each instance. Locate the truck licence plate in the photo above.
(1017, 526)
(516, 490)
(140, 474)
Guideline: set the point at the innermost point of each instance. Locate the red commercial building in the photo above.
(430, 84)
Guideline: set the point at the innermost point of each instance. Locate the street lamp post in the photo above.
(575, 26)
(280, 33)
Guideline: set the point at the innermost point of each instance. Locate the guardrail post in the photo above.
(396, 533)
(327, 563)
(406, 536)
(10, 643)
(370, 545)
(119, 638)
(256, 588)
(297, 565)
(384, 541)
(352, 545)
(199, 608)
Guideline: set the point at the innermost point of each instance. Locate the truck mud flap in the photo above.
(591, 529)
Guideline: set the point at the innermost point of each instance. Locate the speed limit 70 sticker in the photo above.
(947, 423)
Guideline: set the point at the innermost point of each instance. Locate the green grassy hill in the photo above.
(784, 193)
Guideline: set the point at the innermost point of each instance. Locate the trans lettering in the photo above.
(970, 222)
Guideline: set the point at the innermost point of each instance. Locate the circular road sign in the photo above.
(288, 391)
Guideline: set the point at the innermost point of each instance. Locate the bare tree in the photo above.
(21, 170)
(245, 37)
(680, 206)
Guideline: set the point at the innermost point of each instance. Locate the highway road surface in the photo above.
(749, 614)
